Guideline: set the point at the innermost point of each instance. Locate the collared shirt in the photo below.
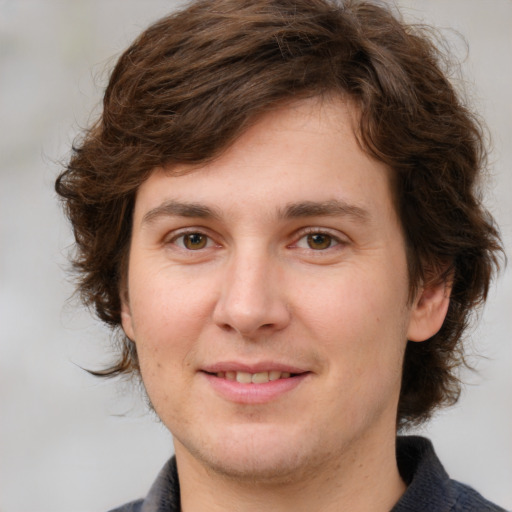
(429, 489)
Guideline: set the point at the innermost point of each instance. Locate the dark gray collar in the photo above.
(429, 487)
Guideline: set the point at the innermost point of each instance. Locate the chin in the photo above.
(262, 468)
(255, 455)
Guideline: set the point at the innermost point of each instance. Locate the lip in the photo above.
(261, 366)
(253, 394)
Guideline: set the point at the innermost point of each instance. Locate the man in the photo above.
(279, 207)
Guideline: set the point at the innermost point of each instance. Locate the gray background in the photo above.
(69, 442)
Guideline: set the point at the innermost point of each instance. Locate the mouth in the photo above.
(254, 384)
(262, 377)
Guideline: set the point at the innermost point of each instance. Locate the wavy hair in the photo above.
(191, 83)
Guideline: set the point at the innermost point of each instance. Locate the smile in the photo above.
(253, 384)
(253, 378)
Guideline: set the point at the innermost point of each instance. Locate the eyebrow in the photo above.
(180, 209)
(332, 207)
(301, 209)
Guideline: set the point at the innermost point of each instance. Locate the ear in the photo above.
(429, 310)
(126, 317)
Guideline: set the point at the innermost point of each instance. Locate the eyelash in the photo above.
(183, 234)
(333, 241)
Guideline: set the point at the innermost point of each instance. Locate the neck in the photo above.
(364, 480)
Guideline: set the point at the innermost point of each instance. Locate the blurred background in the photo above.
(72, 443)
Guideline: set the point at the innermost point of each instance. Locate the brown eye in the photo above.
(319, 241)
(194, 241)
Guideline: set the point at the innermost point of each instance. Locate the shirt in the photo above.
(429, 488)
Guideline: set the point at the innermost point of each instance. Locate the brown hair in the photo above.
(193, 81)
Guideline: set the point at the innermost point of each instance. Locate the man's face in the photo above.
(280, 265)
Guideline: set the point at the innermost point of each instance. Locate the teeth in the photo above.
(254, 378)
(259, 378)
(243, 377)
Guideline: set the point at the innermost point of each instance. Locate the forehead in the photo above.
(304, 151)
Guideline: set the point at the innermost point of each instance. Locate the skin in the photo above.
(251, 273)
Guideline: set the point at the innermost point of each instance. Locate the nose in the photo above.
(251, 300)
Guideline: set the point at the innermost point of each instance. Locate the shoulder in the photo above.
(133, 506)
(429, 486)
(469, 500)
(164, 495)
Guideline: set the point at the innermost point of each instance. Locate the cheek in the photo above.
(167, 316)
(354, 300)
(360, 321)
(166, 325)
(165, 303)
(361, 336)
